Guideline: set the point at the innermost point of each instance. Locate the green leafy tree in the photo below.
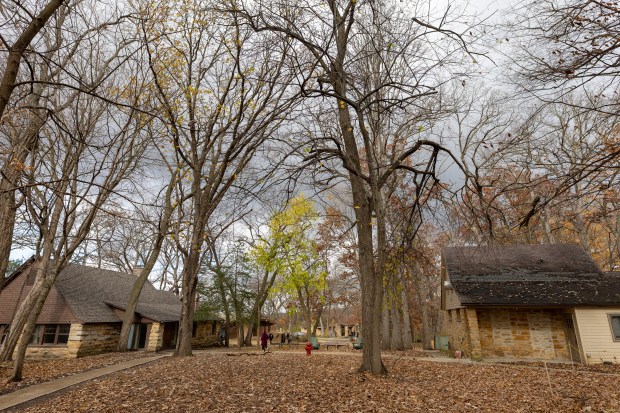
(291, 252)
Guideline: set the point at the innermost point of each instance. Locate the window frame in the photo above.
(40, 332)
(610, 316)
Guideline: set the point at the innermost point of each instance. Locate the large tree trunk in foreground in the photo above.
(371, 281)
(25, 309)
(190, 281)
(30, 324)
(9, 177)
(18, 49)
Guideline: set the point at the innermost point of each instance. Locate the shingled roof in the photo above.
(92, 293)
(529, 275)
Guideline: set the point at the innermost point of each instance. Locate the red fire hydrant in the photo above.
(308, 348)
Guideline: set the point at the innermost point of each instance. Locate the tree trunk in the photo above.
(26, 308)
(404, 299)
(426, 327)
(17, 50)
(7, 222)
(371, 282)
(318, 320)
(184, 343)
(385, 330)
(9, 176)
(240, 334)
(30, 324)
(248, 336)
(134, 296)
(188, 293)
(396, 341)
(617, 235)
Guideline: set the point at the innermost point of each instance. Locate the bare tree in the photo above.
(76, 170)
(55, 62)
(222, 92)
(572, 44)
(373, 61)
(35, 21)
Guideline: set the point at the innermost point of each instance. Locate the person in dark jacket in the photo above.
(270, 338)
(282, 339)
(263, 341)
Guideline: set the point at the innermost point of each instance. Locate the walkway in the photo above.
(30, 393)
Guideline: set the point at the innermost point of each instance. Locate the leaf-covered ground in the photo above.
(329, 382)
(38, 371)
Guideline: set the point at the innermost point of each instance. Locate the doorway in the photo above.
(137, 337)
(574, 352)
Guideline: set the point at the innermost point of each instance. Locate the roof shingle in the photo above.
(88, 291)
(535, 275)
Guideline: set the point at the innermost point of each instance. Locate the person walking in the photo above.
(263, 340)
(270, 338)
(282, 339)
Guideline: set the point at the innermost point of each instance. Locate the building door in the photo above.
(137, 337)
(571, 338)
(170, 335)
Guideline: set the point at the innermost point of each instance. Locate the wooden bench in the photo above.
(336, 344)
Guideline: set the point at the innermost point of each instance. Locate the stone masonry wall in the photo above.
(522, 333)
(204, 336)
(95, 338)
(458, 331)
(156, 337)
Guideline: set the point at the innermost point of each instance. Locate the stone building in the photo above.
(84, 310)
(540, 302)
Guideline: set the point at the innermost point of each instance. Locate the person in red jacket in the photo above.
(308, 348)
(263, 340)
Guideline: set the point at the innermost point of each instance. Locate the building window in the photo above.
(194, 328)
(458, 315)
(450, 315)
(50, 334)
(614, 320)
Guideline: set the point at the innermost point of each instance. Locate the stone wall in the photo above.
(155, 337)
(94, 338)
(507, 332)
(84, 340)
(204, 336)
(458, 326)
(40, 352)
(522, 333)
